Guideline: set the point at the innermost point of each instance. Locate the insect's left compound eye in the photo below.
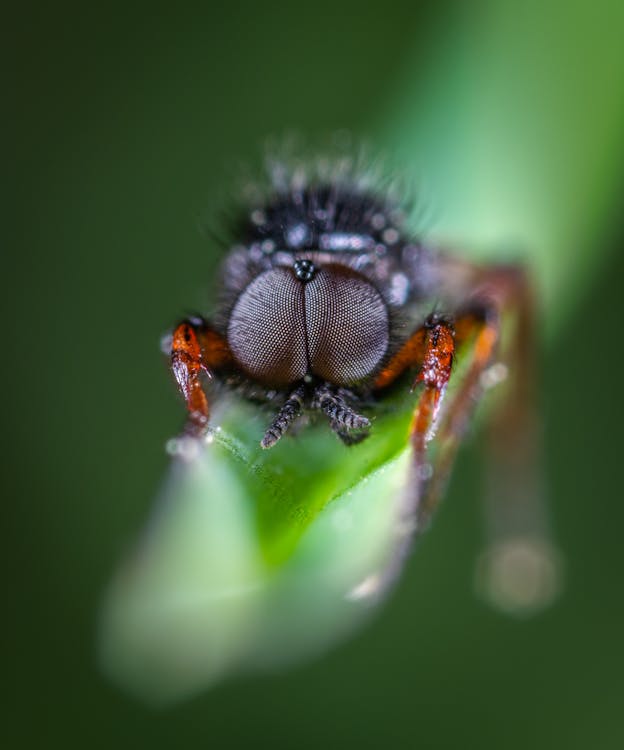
(347, 325)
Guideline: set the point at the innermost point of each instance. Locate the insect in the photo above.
(328, 301)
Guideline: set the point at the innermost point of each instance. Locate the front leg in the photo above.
(479, 325)
(432, 349)
(520, 571)
(195, 348)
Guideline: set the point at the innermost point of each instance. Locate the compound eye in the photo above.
(266, 331)
(347, 325)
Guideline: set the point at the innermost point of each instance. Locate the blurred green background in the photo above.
(125, 125)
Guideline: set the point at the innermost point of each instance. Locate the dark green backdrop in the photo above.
(124, 124)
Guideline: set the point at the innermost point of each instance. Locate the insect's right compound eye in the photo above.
(347, 325)
(266, 331)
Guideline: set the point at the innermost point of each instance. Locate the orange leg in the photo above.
(196, 347)
(481, 326)
(432, 350)
(512, 461)
(520, 570)
(410, 355)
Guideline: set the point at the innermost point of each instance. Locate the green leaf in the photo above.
(256, 558)
(512, 127)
